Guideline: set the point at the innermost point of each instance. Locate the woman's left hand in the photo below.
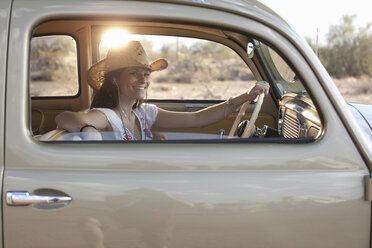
(258, 89)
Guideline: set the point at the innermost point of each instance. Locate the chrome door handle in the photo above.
(24, 198)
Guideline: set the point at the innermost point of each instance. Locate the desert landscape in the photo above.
(204, 70)
(355, 90)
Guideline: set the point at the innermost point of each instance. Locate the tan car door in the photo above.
(4, 27)
(199, 194)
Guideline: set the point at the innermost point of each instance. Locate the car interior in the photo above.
(62, 51)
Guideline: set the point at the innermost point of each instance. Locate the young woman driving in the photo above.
(122, 80)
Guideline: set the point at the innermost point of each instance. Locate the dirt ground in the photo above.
(216, 90)
(355, 90)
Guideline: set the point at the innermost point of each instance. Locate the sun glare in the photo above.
(115, 38)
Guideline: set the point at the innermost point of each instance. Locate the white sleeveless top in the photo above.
(146, 115)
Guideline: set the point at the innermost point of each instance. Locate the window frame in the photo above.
(75, 38)
(206, 37)
(277, 140)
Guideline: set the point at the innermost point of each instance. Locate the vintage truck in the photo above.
(305, 182)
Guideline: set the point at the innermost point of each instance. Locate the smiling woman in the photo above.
(121, 80)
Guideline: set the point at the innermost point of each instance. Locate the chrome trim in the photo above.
(24, 198)
(291, 126)
(264, 131)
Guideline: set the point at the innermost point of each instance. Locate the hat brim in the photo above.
(96, 74)
(159, 65)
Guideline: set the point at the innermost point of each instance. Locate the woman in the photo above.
(122, 80)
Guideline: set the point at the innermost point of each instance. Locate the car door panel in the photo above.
(189, 209)
(5, 7)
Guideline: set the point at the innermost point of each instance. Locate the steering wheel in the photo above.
(249, 130)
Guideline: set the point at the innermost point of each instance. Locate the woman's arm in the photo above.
(207, 116)
(72, 121)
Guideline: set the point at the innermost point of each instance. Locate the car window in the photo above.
(198, 69)
(201, 73)
(285, 78)
(53, 66)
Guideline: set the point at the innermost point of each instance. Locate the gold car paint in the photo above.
(180, 195)
(5, 9)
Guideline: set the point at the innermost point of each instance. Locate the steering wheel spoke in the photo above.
(249, 130)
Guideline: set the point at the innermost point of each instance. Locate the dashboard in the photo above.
(298, 117)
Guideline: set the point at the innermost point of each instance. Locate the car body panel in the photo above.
(253, 8)
(5, 10)
(362, 120)
(365, 111)
(5, 7)
(193, 209)
(210, 195)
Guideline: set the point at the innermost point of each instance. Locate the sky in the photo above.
(305, 17)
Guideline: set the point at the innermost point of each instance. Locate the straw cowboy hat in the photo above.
(131, 54)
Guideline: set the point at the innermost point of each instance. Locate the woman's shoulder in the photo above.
(109, 113)
(112, 118)
(149, 112)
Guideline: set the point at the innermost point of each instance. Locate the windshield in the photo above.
(280, 72)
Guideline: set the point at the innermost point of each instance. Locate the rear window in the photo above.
(54, 66)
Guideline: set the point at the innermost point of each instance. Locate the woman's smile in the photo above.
(140, 90)
(140, 87)
(134, 82)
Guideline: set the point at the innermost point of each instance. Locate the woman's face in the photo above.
(133, 82)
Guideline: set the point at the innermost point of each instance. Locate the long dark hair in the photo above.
(108, 95)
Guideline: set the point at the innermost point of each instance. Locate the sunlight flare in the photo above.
(115, 38)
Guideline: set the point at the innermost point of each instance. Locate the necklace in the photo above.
(134, 130)
(125, 131)
(125, 114)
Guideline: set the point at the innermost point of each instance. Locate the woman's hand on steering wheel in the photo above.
(261, 87)
(258, 89)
